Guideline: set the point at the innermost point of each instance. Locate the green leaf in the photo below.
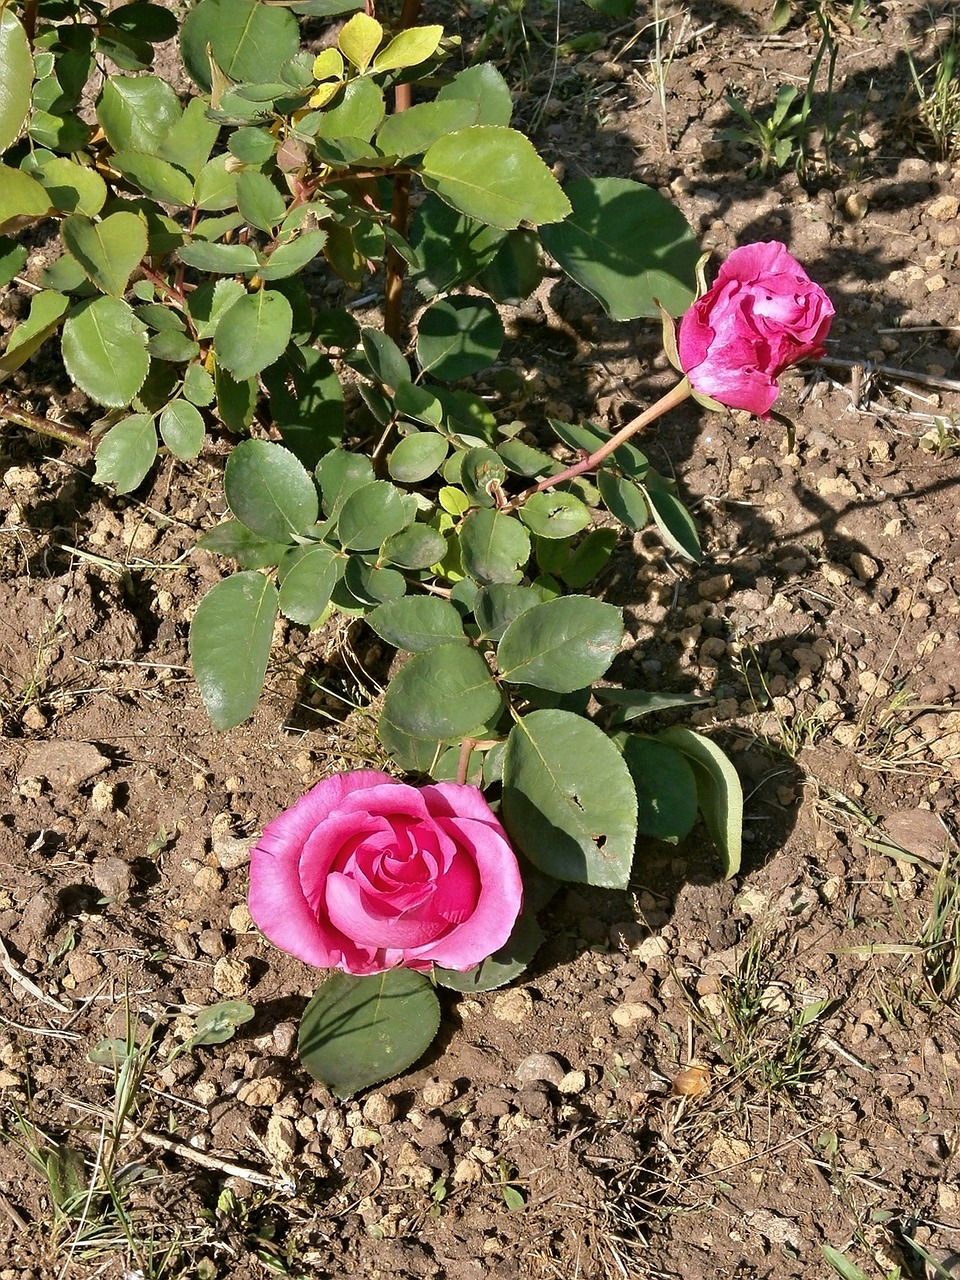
(408, 48)
(634, 703)
(666, 788)
(210, 302)
(358, 116)
(13, 258)
(137, 112)
(674, 522)
(372, 513)
(444, 692)
(411, 132)
(198, 386)
(589, 558)
(47, 310)
(554, 515)
(494, 174)
(156, 178)
(308, 576)
(191, 139)
(417, 623)
(504, 965)
(356, 1032)
(569, 802)
(563, 645)
(628, 246)
(484, 85)
(252, 145)
(72, 187)
(182, 429)
(496, 607)
(459, 336)
(842, 1265)
(22, 199)
(417, 457)
(450, 248)
(259, 201)
(233, 539)
(216, 185)
(230, 638)
(269, 490)
(236, 401)
(369, 585)
(482, 472)
(253, 333)
(17, 78)
(624, 499)
(719, 794)
(127, 452)
(218, 1023)
(385, 357)
(109, 250)
(292, 256)
(104, 349)
(516, 270)
(493, 546)
(306, 400)
(339, 473)
(359, 39)
(248, 40)
(416, 547)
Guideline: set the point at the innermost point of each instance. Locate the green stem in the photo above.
(676, 395)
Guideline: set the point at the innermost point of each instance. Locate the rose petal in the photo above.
(372, 923)
(277, 901)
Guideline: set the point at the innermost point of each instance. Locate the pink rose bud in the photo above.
(762, 315)
(366, 873)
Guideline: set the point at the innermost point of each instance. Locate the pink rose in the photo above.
(365, 873)
(763, 314)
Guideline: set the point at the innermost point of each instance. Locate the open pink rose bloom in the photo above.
(762, 314)
(365, 874)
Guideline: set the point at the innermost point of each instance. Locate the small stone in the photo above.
(864, 566)
(838, 575)
(438, 1093)
(364, 1137)
(513, 1006)
(230, 850)
(628, 1014)
(943, 209)
(855, 207)
(716, 588)
(692, 1082)
(103, 797)
(573, 1082)
(113, 876)
(231, 978)
(545, 1067)
(467, 1173)
(208, 880)
(265, 1092)
(240, 919)
(206, 1092)
(281, 1139)
(934, 284)
(83, 967)
(284, 1038)
(534, 1103)
(379, 1109)
(211, 943)
(650, 950)
(8, 1080)
(65, 765)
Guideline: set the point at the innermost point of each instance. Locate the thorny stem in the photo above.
(10, 412)
(463, 764)
(400, 208)
(676, 395)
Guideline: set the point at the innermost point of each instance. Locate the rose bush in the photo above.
(762, 314)
(365, 874)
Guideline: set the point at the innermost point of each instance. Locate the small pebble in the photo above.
(513, 1006)
(545, 1067)
(438, 1093)
(379, 1109)
(573, 1082)
(264, 1092)
(231, 978)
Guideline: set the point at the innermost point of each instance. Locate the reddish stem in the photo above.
(9, 412)
(676, 395)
